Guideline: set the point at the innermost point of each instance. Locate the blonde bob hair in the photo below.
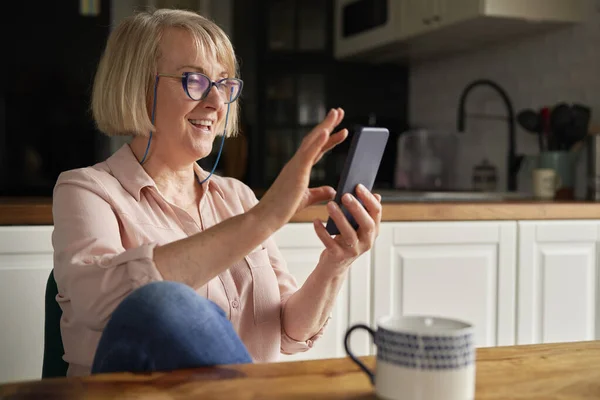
(124, 82)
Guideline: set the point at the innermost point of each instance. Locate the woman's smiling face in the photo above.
(186, 127)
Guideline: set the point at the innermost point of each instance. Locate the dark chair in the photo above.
(53, 364)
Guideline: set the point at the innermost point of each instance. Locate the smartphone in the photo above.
(361, 166)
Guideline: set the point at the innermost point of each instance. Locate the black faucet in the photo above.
(514, 161)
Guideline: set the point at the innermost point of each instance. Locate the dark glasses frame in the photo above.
(184, 82)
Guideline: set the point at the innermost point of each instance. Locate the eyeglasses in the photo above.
(197, 86)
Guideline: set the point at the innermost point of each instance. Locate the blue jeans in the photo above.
(164, 326)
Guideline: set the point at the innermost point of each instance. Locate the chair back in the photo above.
(53, 364)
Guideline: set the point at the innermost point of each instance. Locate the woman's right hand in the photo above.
(290, 191)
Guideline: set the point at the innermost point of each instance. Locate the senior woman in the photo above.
(161, 265)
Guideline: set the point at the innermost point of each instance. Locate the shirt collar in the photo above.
(133, 177)
(211, 184)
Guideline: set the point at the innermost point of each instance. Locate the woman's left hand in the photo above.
(341, 250)
(316, 195)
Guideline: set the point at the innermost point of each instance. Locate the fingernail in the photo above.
(348, 197)
(331, 205)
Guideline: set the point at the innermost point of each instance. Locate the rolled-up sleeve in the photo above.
(93, 270)
(292, 346)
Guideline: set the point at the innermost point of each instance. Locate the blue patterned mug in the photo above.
(421, 358)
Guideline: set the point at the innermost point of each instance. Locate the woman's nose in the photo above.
(214, 97)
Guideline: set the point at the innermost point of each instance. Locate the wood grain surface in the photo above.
(564, 371)
(26, 211)
(32, 211)
(465, 211)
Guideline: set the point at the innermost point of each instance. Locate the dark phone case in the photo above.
(361, 166)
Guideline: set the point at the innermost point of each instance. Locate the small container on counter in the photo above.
(485, 177)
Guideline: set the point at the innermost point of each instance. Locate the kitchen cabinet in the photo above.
(427, 15)
(559, 281)
(25, 264)
(435, 27)
(519, 282)
(26, 260)
(464, 270)
(420, 29)
(301, 248)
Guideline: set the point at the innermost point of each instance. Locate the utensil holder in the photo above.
(564, 163)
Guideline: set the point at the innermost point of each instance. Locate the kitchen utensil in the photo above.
(564, 163)
(593, 167)
(560, 118)
(579, 126)
(426, 160)
(546, 127)
(531, 122)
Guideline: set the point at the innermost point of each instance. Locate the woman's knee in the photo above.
(167, 302)
(161, 290)
(168, 325)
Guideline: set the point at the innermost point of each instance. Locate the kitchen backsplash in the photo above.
(537, 71)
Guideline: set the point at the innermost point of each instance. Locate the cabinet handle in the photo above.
(426, 21)
(436, 18)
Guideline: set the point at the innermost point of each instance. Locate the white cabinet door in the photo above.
(301, 249)
(559, 285)
(25, 263)
(463, 270)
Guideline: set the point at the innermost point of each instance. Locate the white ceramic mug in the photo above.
(421, 358)
(545, 183)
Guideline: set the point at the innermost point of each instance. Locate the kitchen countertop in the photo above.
(473, 211)
(25, 211)
(38, 211)
(565, 371)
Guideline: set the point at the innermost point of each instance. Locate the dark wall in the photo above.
(50, 57)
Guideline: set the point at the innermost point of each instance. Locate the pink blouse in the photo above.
(107, 220)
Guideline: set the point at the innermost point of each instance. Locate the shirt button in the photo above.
(235, 304)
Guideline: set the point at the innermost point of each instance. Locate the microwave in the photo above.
(367, 29)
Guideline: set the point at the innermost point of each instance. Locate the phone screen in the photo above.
(361, 166)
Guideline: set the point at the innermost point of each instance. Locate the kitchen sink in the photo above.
(388, 195)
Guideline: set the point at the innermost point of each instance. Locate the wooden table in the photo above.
(550, 372)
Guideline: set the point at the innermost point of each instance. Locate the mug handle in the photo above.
(352, 356)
